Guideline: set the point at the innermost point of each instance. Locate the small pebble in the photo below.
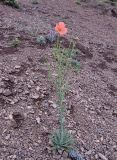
(29, 107)
(17, 119)
(102, 156)
(114, 113)
(7, 92)
(38, 120)
(35, 96)
(37, 88)
(17, 67)
(14, 58)
(88, 152)
(52, 104)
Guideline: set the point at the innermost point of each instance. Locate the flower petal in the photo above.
(60, 28)
(62, 24)
(63, 32)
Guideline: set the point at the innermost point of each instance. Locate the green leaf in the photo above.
(62, 139)
(75, 64)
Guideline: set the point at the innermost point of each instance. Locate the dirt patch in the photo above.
(26, 91)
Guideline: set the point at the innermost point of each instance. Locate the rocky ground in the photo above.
(28, 113)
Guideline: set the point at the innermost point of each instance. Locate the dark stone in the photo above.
(74, 155)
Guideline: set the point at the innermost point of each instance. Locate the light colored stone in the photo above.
(29, 107)
(37, 88)
(38, 120)
(88, 152)
(35, 96)
(52, 104)
(17, 66)
(7, 92)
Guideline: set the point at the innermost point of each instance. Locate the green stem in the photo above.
(60, 84)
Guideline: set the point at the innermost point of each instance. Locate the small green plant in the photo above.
(78, 2)
(35, 2)
(100, 1)
(41, 40)
(12, 3)
(113, 2)
(15, 43)
(62, 139)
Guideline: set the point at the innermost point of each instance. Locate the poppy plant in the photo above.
(61, 28)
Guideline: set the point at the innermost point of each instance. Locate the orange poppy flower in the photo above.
(61, 29)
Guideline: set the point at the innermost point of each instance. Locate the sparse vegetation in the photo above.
(12, 3)
(48, 110)
(99, 1)
(113, 2)
(41, 40)
(61, 138)
(15, 42)
(35, 2)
